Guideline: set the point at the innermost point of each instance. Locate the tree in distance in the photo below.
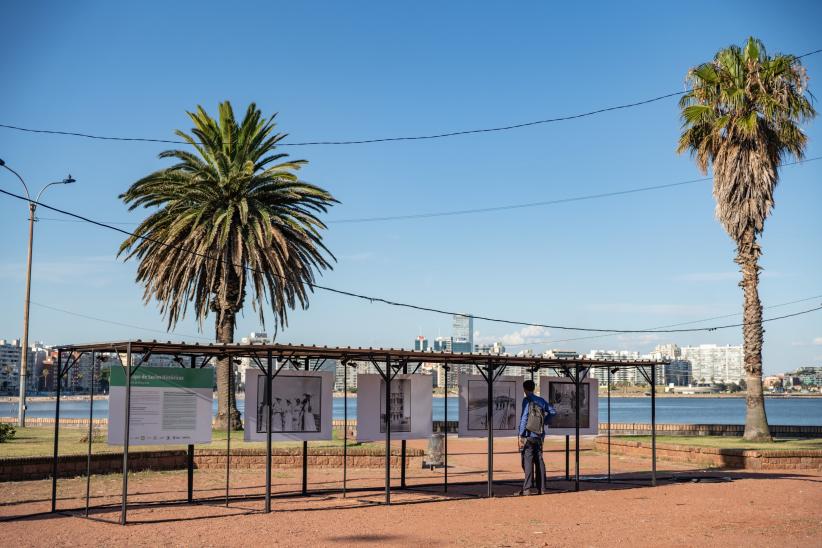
(742, 117)
(229, 217)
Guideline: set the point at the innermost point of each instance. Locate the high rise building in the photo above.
(421, 344)
(623, 375)
(711, 363)
(668, 351)
(464, 327)
(463, 337)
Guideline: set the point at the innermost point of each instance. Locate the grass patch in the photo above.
(39, 442)
(729, 442)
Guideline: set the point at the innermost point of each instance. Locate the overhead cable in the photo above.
(374, 299)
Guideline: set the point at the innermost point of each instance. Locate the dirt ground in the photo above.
(723, 508)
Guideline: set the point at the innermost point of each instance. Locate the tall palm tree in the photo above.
(228, 217)
(742, 117)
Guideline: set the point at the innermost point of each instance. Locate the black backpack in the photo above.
(536, 418)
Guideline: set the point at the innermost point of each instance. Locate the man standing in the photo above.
(532, 430)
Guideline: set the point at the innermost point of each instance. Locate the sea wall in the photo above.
(36, 468)
(713, 457)
(617, 428)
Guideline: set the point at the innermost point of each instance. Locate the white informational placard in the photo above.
(561, 393)
(169, 406)
(301, 406)
(411, 407)
(506, 406)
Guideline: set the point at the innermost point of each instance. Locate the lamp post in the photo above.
(24, 354)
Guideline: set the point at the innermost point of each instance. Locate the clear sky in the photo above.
(360, 70)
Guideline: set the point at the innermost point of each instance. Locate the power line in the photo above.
(385, 139)
(487, 209)
(363, 141)
(691, 322)
(141, 328)
(113, 322)
(373, 299)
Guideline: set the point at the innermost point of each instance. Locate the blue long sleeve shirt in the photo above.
(546, 410)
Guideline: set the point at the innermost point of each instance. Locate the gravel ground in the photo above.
(754, 509)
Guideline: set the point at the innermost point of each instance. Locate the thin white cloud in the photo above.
(527, 335)
(818, 341)
(702, 277)
(655, 309)
(712, 277)
(357, 257)
(93, 270)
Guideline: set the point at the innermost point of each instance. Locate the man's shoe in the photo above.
(521, 493)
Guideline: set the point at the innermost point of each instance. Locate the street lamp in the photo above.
(24, 355)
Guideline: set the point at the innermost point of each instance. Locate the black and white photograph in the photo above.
(295, 404)
(504, 405)
(563, 396)
(400, 415)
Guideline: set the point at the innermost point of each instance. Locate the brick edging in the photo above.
(751, 459)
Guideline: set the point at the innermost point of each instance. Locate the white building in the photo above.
(711, 363)
(623, 375)
(255, 337)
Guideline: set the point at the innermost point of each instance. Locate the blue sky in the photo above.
(363, 70)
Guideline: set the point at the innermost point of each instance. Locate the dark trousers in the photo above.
(533, 464)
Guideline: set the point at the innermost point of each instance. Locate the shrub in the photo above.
(7, 432)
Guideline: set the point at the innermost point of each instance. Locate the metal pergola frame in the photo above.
(393, 362)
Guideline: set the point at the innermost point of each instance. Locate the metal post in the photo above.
(230, 373)
(490, 425)
(609, 424)
(388, 430)
(58, 376)
(305, 453)
(576, 429)
(126, 432)
(269, 378)
(90, 431)
(24, 350)
(567, 457)
(445, 433)
(345, 428)
(402, 443)
(190, 455)
(653, 425)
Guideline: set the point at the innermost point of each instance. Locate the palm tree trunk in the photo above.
(756, 421)
(226, 394)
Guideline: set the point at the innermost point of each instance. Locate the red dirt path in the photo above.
(755, 509)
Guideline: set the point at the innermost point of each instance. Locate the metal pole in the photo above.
(567, 457)
(345, 428)
(402, 443)
(445, 431)
(24, 351)
(90, 420)
(190, 455)
(490, 425)
(126, 429)
(653, 425)
(269, 378)
(609, 424)
(305, 453)
(388, 430)
(57, 375)
(230, 370)
(576, 428)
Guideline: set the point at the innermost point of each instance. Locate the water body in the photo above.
(683, 410)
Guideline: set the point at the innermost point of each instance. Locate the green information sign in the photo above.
(164, 377)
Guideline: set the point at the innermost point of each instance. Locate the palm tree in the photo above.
(742, 117)
(228, 217)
